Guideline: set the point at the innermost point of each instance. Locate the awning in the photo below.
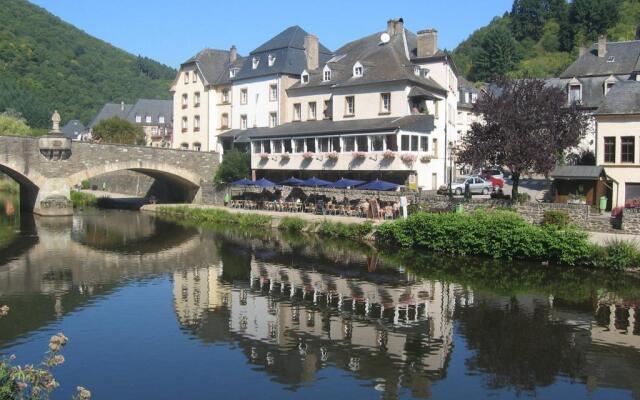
(420, 92)
(578, 172)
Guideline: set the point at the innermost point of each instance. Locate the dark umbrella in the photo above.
(242, 182)
(345, 183)
(315, 182)
(292, 182)
(264, 183)
(379, 185)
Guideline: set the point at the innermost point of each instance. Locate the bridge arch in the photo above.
(30, 182)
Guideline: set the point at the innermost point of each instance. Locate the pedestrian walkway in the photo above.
(603, 238)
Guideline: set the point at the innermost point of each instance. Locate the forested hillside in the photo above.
(47, 64)
(540, 38)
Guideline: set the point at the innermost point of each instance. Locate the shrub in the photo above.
(292, 224)
(617, 255)
(85, 185)
(523, 198)
(497, 234)
(214, 216)
(351, 231)
(559, 219)
(81, 199)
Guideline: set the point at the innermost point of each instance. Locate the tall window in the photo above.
(273, 120)
(312, 110)
(272, 60)
(196, 123)
(627, 149)
(304, 77)
(186, 78)
(147, 119)
(350, 105)
(225, 96)
(610, 149)
(311, 145)
(607, 87)
(243, 122)
(138, 119)
(244, 96)
(255, 62)
(277, 146)
(349, 143)
(326, 75)
(363, 144)
(424, 143)
(197, 146)
(298, 145)
(224, 121)
(196, 99)
(385, 102)
(161, 119)
(185, 124)
(273, 92)
(256, 147)
(323, 145)
(326, 112)
(297, 112)
(575, 93)
(377, 143)
(195, 77)
(185, 100)
(335, 144)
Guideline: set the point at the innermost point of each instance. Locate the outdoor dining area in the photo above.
(377, 199)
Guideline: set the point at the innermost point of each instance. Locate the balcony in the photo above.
(355, 161)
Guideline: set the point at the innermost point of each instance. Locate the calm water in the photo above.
(160, 311)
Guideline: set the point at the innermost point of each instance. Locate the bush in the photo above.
(523, 198)
(81, 199)
(292, 224)
(214, 216)
(617, 255)
(85, 185)
(497, 234)
(351, 231)
(559, 219)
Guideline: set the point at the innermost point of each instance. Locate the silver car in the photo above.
(477, 185)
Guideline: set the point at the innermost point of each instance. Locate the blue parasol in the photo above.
(379, 185)
(264, 183)
(292, 182)
(345, 183)
(315, 182)
(243, 182)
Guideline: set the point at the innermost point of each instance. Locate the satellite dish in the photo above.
(384, 38)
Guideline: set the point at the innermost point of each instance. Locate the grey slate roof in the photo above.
(592, 87)
(625, 61)
(154, 109)
(584, 172)
(464, 87)
(623, 98)
(110, 110)
(288, 49)
(386, 62)
(214, 65)
(73, 129)
(414, 123)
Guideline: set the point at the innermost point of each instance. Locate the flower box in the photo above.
(389, 154)
(408, 158)
(285, 156)
(264, 156)
(332, 155)
(426, 158)
(359, 154)
(308, 155)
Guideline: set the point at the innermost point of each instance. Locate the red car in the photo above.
(496, 181)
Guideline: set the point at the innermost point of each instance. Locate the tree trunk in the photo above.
(515, 177)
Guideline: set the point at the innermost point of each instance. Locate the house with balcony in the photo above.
(383, 106)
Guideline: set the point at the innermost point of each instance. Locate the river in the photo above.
(163, 311)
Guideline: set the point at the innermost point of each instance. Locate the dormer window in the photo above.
(233, 72)
(416, 70)
(611, 59)
(255, 62)
(425, 73)
(304, 78)
(326, 74)
(575, 93)
(358, 70)
(272, 60)
(608, 84)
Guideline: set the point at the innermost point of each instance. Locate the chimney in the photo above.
(122, 106)
(427, 42)
(233, 54)
(602, 45)
(395, 26)
(582, 51)
(312, 51)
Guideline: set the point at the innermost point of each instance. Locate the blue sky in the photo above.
(171, 31)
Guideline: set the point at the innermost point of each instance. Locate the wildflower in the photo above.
(57, 360)
(22, 386)
(4, 310)
(51, 384)
(83, 393)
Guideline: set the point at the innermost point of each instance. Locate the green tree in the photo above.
(528, 17)
(593, 17)
(119, 131)
(235, 165)
(12, 123)
(497, 55)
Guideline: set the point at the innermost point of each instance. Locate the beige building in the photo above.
(617, 146)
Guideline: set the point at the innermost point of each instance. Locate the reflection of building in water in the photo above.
(294, 322)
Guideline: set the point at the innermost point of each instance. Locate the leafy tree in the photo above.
(11, 123)
(527, 127)
(235, 165)
(593, 17)
(498, 54)
(119, 131)
(527, 18)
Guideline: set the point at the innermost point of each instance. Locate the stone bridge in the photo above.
(45, 183)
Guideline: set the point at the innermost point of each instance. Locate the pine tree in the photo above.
(498, 54)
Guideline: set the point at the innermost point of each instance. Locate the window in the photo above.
(362, 142)
(277, 146)
(385, 103)
(575, 94)
(266, 146)
(184, 146)
(287, 145)
(161, 119)
(195, 77)
(224, 121)
(414, 142)
(405, 143)
(186, 80)
(185, 100)
(255, 62)
(326, 74)
(326, 112)
(196, 99)
(377, 143)
(304, 78)
(358, 70)
(196, 123)
(323, 145)
(416, 70)
(609, 149)
(225, 96)
(147, 119)
(607, 87)
(273, 92)
(185, 124)
(272, 60)
(335, 144)
(424, 143)
(349, 144)
(311, 145)
(154, 131)
(243, 122)
(474, 98)
(244, 96)
(273, 120)
(611, 59)
(435, 147)
(627, 149)
(297, 112)
(350, 105)
(298, 145)
(197, 146)
(233, 72)
(256, 147)
(138, 119)
(312, 110)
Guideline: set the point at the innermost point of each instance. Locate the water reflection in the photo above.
(297, 308)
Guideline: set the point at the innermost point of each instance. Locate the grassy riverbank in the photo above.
(504, 235)
(81, 199)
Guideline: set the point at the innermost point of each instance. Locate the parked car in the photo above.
(492, 173)
(497, 181)
(477, 185)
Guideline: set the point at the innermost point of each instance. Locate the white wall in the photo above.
(258, 105)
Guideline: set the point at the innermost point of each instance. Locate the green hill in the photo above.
(540, 38)
(47, 64)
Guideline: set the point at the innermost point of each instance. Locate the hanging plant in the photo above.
(426, 158)
(308, 155)
(359, 154)
(332, 155)
(408, 158)
(389, 154)
(264, 156)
